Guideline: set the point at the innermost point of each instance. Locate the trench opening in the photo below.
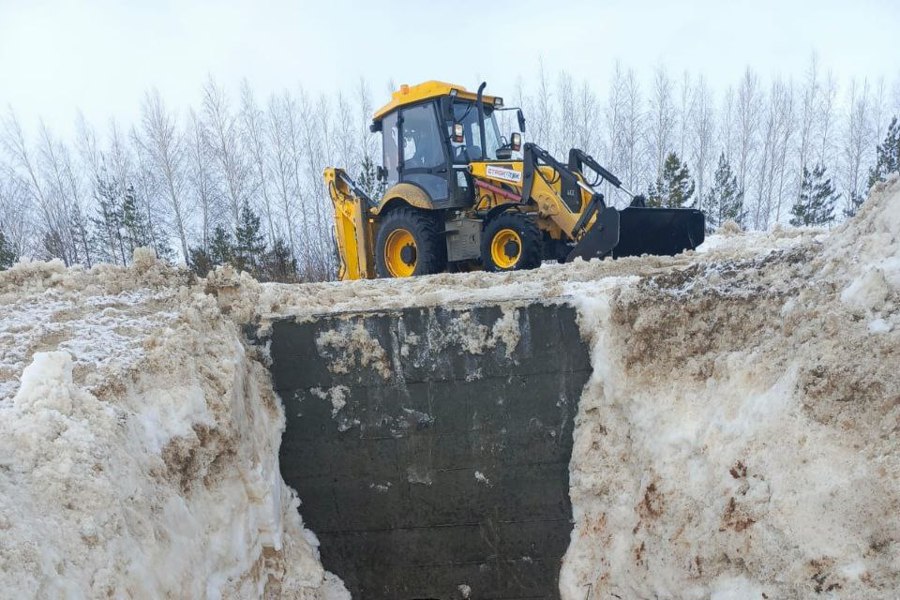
(430, 447)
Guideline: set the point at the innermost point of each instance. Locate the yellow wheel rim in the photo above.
(506, 248)
(400, 253)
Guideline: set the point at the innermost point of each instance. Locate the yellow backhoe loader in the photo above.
(456, 199)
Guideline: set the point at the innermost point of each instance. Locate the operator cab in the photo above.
(430, 134)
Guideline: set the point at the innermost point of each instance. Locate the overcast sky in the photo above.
(57, 56)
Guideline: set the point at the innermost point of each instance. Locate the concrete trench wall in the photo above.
(442, 467)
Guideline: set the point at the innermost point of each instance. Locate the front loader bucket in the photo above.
(637, 230)
(660, 231)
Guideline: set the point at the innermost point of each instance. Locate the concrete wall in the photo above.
(447, 465)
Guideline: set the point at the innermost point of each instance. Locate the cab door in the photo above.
(423, 154)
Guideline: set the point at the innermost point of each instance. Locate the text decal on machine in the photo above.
(504, 174)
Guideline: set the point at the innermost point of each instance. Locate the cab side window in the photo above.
(391, 151)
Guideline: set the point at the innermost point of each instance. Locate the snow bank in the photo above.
(138, 445)
(739, 435)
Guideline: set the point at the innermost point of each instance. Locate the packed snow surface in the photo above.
(738, 437)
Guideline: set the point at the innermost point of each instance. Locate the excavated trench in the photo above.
(430, 447)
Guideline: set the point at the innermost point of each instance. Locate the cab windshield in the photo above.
(466, 112)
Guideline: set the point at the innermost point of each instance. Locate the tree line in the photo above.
(238, 180)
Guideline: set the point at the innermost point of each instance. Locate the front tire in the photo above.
(511, 242)
(409, 242)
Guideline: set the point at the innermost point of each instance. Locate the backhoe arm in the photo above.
(352, 229)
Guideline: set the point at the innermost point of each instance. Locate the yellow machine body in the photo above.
(506, 213)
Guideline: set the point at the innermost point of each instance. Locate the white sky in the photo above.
(57, 56)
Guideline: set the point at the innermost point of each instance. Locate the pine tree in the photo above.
(674, 187)
(82, 236)
(887, 155)
(221, 248)
(854, 204)
(107, 223)
(249, 241)
(724, 201)
(368, 179)
(278, 264)
(7, 253)
(199, 261)
(135, 229)
(815, 206)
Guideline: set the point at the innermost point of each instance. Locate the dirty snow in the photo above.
(738, 438)
(138, 445)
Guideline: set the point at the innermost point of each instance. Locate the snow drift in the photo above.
(138, 448)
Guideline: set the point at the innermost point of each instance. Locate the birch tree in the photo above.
(702, 131)
(253, 128)
(54, 227)
(544, 130)
(662, 119)
(858, 140)
(279, 128)
(164, 145)
(747, 115)
(223, 136)
(64, 187)
(200, 176)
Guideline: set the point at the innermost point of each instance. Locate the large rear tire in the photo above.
(410, 242)
(511, 242)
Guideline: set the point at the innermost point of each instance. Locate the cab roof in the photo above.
(410, 94)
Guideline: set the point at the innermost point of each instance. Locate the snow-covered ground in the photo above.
(738, 438)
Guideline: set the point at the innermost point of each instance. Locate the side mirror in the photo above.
(458, 133)
(380, 173)
(515, 141)
(521, 118)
